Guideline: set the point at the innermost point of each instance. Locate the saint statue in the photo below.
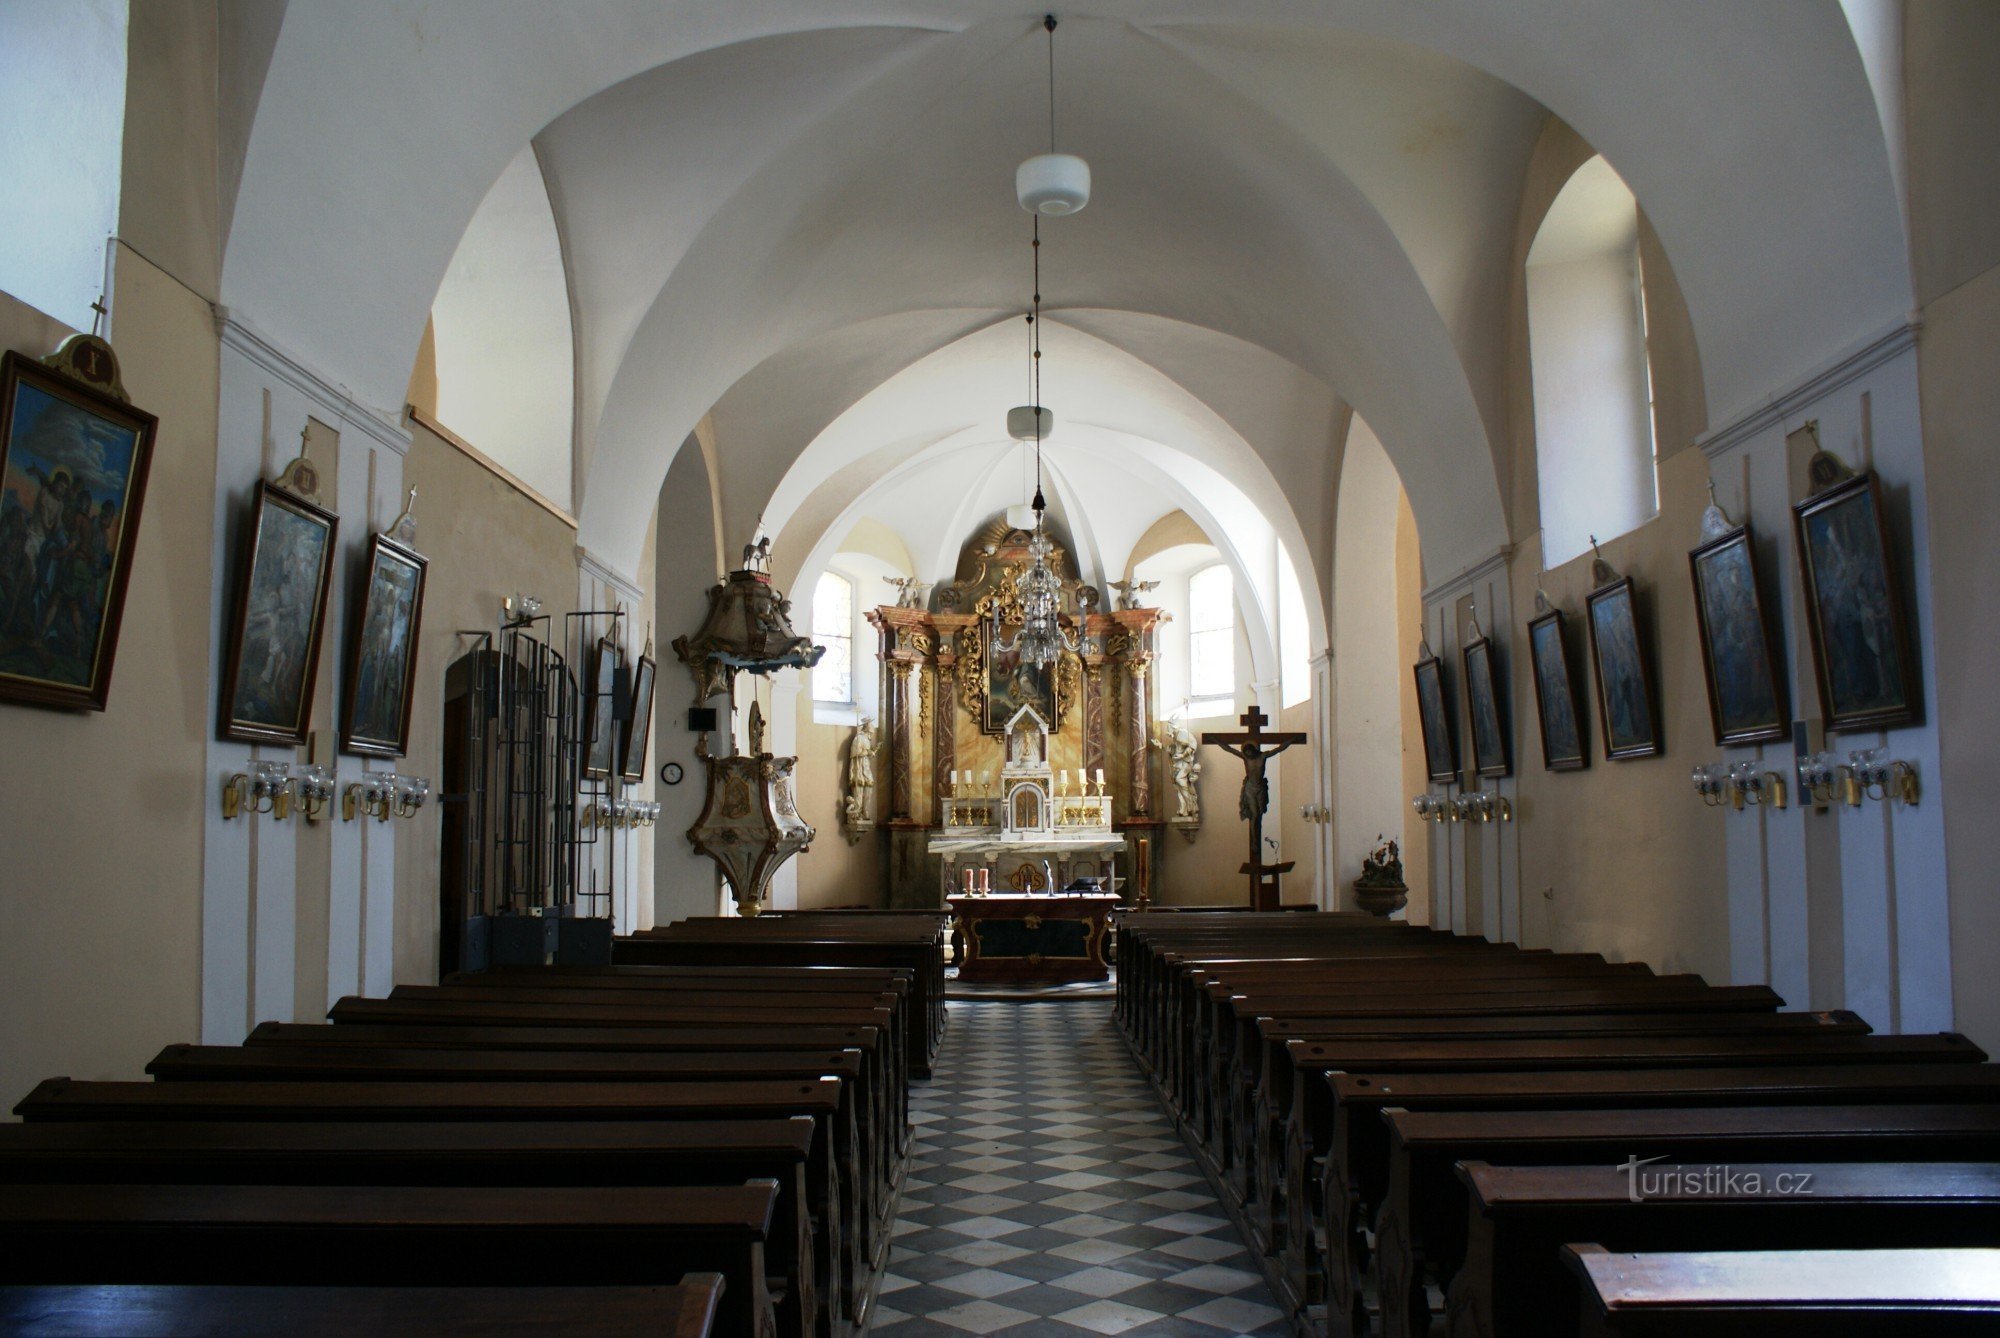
(1185, 768)
(861, 773)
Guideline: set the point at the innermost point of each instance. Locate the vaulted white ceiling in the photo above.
(1301, 206)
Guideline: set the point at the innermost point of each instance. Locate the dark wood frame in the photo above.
(1568, 662)
(1445, 768)
(1482, 765)
(1842, 494)
(639, 729)
(1781, 729)
(15, 371)
(1623, 585)
(379, 546)
(599, 709)
(227, 727)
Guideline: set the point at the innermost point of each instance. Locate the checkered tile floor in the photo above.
(1049, 1195)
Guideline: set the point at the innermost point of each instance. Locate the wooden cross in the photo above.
(1256, 747)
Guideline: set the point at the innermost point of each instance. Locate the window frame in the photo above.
(1227, 631)
(853, 588)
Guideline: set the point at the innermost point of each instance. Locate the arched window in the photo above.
(1211, 640)
(833, 627)
(62, 98)
(1593, 386)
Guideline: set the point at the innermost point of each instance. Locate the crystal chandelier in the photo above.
(1038, 590)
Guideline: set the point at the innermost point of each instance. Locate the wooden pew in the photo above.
(439, 1154)
(879, 1061)
(1355, 1173)
(861, 1194)
(1514, 1281)
(1289, 1179)
(764, 1001)
(395, 1236)
(841, 1269)
(1787, 1293)
(1421, 1225)
(686, 1309)
(912, 941)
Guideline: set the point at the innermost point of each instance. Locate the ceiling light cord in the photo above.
(1049, 24)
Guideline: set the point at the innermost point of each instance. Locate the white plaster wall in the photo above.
(1368, 672)
(62, 133)
(252, 876)
(1848, 903)
(684, 883)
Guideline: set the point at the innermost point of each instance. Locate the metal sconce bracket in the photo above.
(266, 788)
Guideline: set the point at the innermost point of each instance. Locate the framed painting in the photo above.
(600, 728)
(1557, 702)
(73, 465)
(1440, 748)
(1482, 701)
(382, 653)
(1013, 681)
(633, 738)
(1627, 709)
(1854, 609)
(271, 662)
(1746, 696)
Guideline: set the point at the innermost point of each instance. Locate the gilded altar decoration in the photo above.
(749, 824)
(958, 750)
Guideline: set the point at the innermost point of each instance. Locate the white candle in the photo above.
(1100, 775)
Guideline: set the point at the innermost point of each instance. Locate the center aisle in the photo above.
(1049, 1195)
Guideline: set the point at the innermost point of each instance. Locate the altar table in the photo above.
(1033, 938)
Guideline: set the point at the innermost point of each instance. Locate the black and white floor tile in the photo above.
(1048, 1194)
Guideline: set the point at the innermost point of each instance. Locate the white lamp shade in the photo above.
(1053, 183)
(1021, 422)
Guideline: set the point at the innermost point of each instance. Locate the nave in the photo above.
(1049, 1194)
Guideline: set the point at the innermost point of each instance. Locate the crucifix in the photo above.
(1256, 747)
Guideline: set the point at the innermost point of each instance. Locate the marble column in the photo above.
(897, 708)
(1139, 732)
(944, 727)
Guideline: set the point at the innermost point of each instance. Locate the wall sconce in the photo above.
(621, 814)
(266, 788)
(1316, 813)
(313, 788)
(1711, 782)
(411, 792)
(1435, 807)
(1484, 806)
(1825, 777)
(373, 796)
(1879, 776)
(1750, 785)
(1740, 785)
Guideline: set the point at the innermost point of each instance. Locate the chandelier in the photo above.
(1051, 183)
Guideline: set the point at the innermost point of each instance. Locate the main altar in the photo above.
(1040, 938)
(1005, 775)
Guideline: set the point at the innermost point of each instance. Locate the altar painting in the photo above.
(1012, 682)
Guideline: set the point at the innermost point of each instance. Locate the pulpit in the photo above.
(1033, 938)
